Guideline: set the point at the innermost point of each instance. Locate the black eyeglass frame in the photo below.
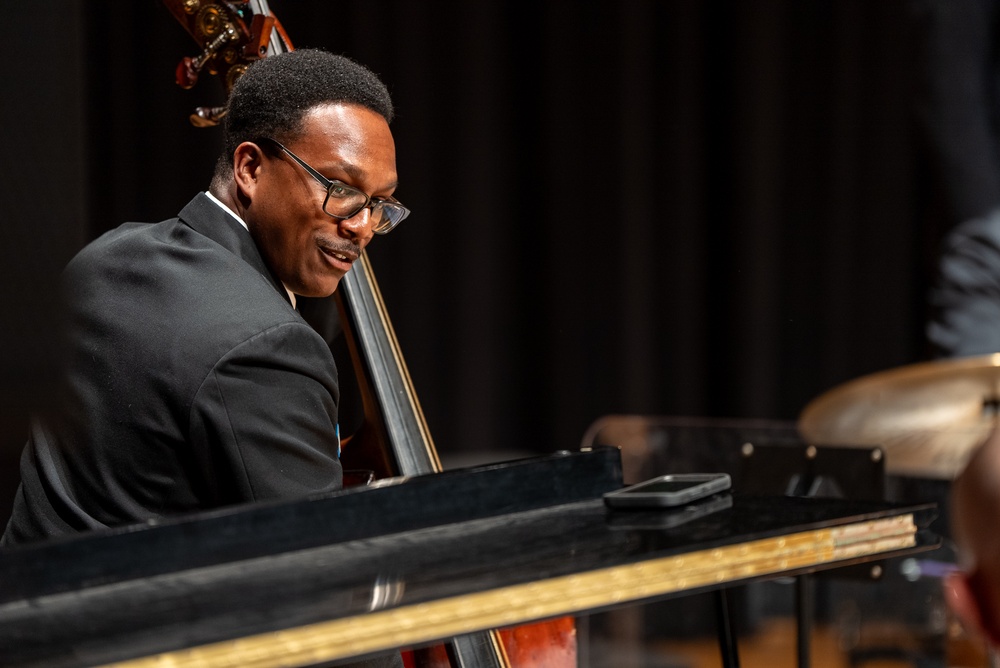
(388, 203)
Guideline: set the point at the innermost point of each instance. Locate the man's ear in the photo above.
(248, 159)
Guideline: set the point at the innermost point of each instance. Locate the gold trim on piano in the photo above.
(424, 622)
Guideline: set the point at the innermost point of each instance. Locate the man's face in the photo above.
(308, 250)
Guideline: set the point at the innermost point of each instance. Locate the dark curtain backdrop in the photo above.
(673, 207)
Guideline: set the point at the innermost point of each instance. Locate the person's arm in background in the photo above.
(965, 298)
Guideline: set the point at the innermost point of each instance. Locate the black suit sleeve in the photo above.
(966, 298)
(265, 418)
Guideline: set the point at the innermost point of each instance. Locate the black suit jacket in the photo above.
(188, 382)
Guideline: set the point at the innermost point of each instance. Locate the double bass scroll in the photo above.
(232, 35)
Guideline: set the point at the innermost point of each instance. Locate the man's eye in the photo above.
(339, 191)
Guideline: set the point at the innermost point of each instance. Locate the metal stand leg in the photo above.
(727, 635)
(805, 603)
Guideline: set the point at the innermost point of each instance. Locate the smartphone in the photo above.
(668, 491)
(658, 519)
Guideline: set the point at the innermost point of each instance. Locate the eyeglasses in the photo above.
(344, 201)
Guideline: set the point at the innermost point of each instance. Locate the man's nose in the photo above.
(360, 226)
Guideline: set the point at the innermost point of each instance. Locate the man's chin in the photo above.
(318, 290)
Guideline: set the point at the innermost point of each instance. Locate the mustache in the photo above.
(338, 245)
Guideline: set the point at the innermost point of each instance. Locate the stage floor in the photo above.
(773, 645)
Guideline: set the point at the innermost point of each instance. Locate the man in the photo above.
(188, 379)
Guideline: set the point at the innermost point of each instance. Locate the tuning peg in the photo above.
(187, 70)
(207, 117)
(186, 73)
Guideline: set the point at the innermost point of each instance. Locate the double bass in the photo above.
(393, 438)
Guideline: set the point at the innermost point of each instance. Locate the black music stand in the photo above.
(813, 471)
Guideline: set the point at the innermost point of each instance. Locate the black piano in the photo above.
(410, 561)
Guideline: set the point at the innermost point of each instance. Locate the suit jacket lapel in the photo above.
(205, 217)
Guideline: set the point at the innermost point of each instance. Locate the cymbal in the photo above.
(927, 417)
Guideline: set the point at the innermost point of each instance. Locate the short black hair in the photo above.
(274, 94)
